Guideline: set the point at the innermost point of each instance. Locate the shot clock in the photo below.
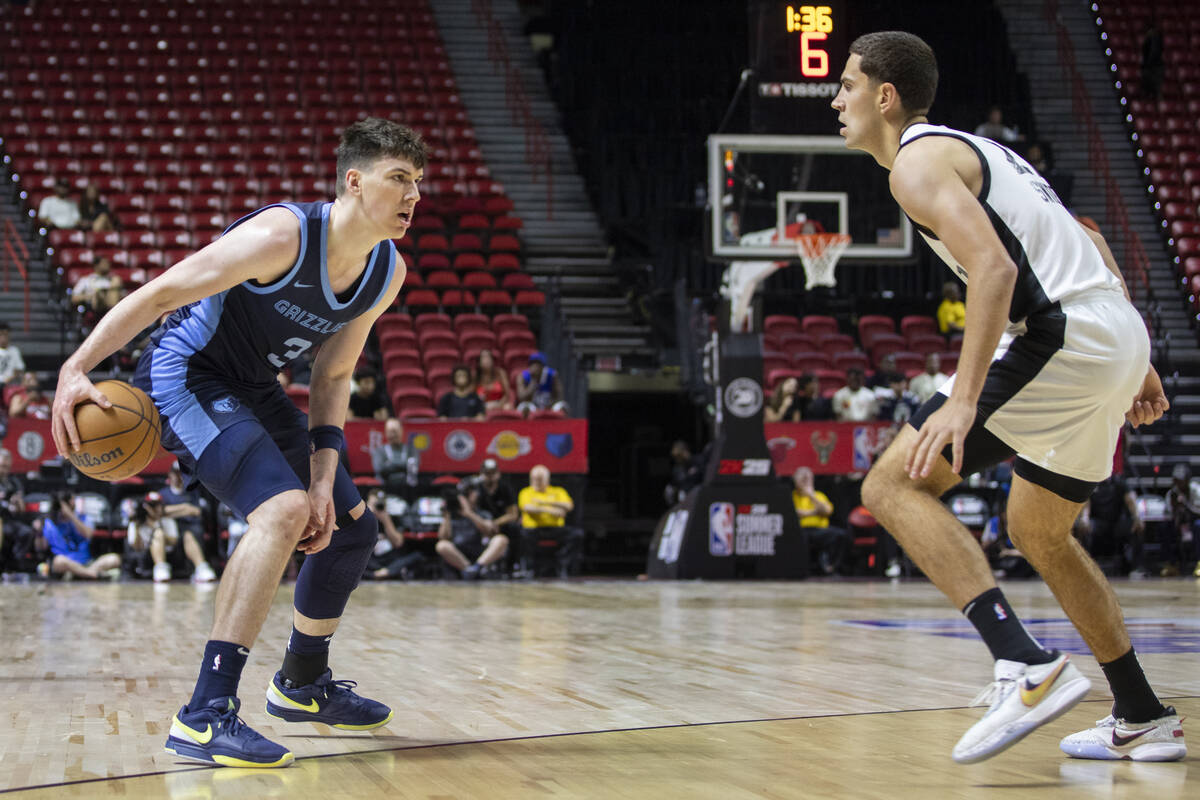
(797, 52)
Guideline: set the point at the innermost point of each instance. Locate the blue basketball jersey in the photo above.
(248, 333)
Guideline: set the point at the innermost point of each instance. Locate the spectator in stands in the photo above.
(884, 377)
(854, 402)
(1152, 61)
(952, 313)
(1111, 525)
(925, 385)
(367, 400)
(467, 539)
(538, 387)
(1183, 500)
(462, 401)
(994, 128)
(814, 509)
(396, 462)
(99, 290)
(1006, 560)
(11, 363)
(896, 403)
(687, 472)
(497, 498)
(59, 210)
(152, 530)
(544, 510)
(491, 382)
(16, 537)
(30, 402)
(94, 213)
(784, 405)
(184, 506)
(813, 407)
(391, 558)
(68, 536)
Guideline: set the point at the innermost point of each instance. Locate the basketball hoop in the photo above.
(819, 253)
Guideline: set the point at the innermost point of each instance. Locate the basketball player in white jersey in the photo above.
(1054, 359)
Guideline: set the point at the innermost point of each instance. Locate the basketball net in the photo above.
(819, 252)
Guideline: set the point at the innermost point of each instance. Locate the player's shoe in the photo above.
(1022, 697)
(1115, 739)
(215, 734)
(328, 701)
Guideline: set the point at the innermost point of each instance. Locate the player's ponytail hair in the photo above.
(903, 60)
(373, 138)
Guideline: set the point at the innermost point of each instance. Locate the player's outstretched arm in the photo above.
(930, 182)
(262, 248)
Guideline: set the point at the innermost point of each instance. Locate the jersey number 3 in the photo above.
(298, 346)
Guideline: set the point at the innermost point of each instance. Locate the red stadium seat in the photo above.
(815, 325)
(869, 325)
(852, 359)
(914, 324)
(925, 343)
(810, 361)
(495, 298)
(835, 342)
(781, 323)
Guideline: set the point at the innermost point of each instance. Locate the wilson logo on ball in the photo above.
(89, 460)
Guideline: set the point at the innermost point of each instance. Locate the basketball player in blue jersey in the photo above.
(283, 280)
(1055, 358)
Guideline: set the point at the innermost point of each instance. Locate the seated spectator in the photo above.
(16, 537)
(925, 385)
(784, 405)
(461, 402)
(59, 210)
(396, 462)
(687, 472)
(184, 506)
(813, 407)
(1183, 500)
(367, 401)
(896, 403)
(887, 374)
(466, 537)
(813, 508)
(1006, 560)
(11, 363)
(152, 530)
(94, 213)
(391, 557)
(1111, 527)
(538, 387)
(544, 510)
(952, 313)
(497, 498)
(854, 402)
(491, 382)
(30, 401)
(994, 128)
(99, 290)
(68, 536)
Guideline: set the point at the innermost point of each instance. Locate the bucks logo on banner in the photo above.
(720, 529)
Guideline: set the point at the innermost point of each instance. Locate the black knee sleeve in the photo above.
(327, 578)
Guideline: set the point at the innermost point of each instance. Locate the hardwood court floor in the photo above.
(577, 689)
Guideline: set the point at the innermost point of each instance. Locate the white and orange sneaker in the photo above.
(1115, 739)
(1022, 698)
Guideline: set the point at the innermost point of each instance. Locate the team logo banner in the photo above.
(828, 448)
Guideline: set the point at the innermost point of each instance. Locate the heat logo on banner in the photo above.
(720, 529)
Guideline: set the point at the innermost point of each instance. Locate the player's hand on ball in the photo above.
(73, 389)
(949, 424)
(1150, 403)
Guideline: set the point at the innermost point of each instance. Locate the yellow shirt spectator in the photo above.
(803, 503)
(530, 496)
(952, 315)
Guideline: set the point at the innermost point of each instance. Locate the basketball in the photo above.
(116, 442)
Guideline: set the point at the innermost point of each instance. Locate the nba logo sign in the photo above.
(720, 529)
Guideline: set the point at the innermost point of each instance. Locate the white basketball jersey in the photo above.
(1054, 256)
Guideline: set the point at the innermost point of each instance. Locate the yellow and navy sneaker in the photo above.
(215, 734)
(325, 700)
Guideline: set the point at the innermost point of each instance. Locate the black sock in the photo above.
(1134, 700)
(306, 659)
(219, 672)
(1002, 631)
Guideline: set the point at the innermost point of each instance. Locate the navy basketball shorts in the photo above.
(245, 444)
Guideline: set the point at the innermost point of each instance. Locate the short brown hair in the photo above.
(903, 60)
(373, 138)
